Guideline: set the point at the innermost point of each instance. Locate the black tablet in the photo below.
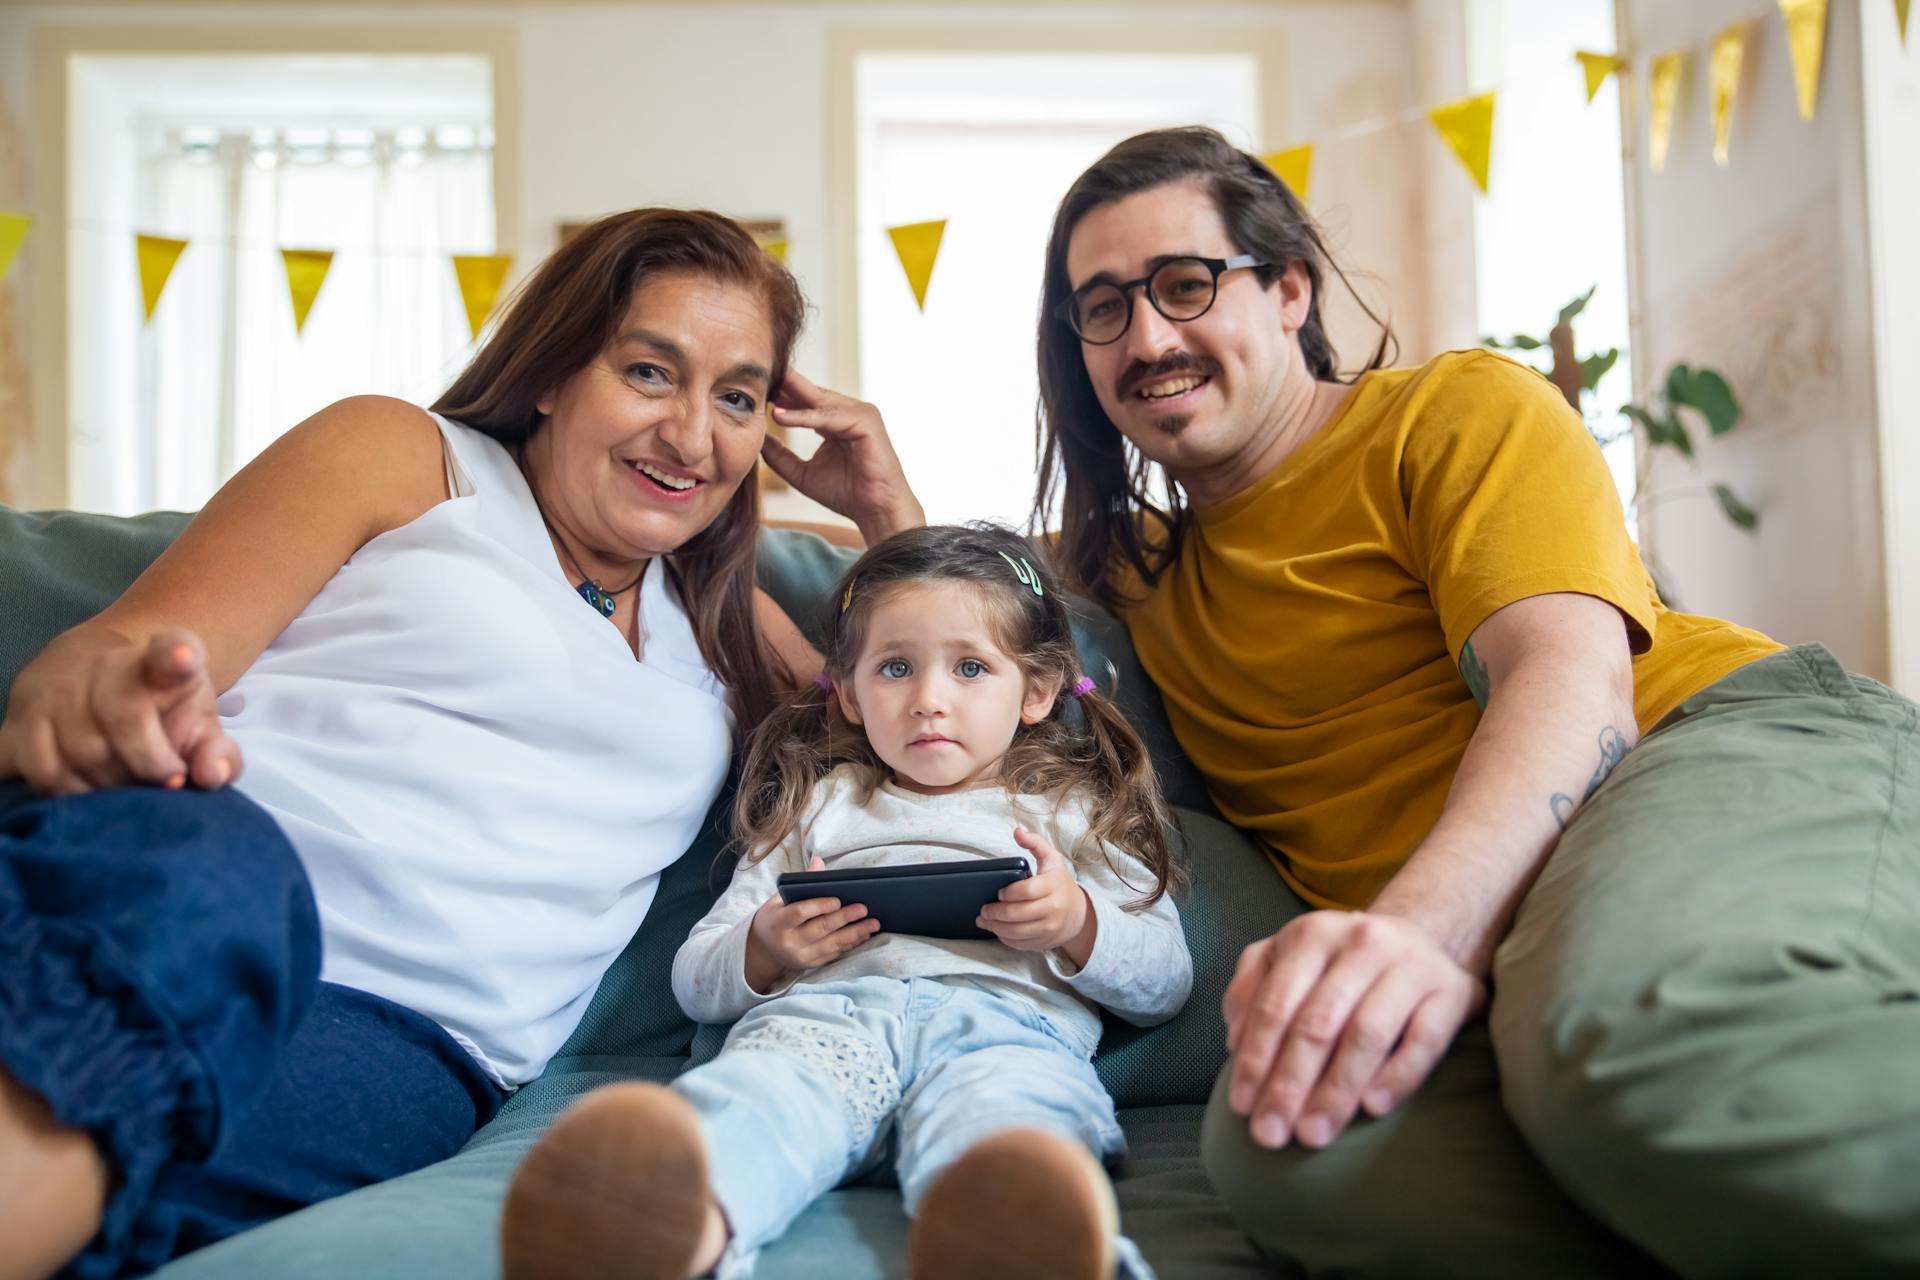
(931, 899)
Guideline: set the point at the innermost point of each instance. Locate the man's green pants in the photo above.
(1703, 1053)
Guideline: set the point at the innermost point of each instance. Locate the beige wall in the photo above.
(1760, 270)
(725, 106)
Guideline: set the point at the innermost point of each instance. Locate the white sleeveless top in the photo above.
(482, 782)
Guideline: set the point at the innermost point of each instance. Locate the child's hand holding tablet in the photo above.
(929, 899)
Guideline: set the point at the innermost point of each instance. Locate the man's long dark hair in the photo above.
(1098, 486)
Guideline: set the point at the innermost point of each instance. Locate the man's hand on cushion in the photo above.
(1339, 1011)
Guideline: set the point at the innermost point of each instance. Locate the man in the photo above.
(1400, 628)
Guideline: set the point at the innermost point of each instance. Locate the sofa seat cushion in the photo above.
(443, 1222)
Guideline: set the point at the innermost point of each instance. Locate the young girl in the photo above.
(952, 722)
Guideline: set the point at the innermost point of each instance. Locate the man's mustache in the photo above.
(1170, 365)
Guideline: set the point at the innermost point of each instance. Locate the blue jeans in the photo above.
(824, 1084)
(159, 988)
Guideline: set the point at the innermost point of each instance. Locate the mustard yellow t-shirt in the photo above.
(1307, 639)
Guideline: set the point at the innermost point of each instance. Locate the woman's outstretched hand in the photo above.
(855, 470)
(96, 710)
(1337, 1012)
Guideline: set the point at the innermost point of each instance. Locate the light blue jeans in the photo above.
(825, 1084)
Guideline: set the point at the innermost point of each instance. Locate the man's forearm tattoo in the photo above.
(1474, 672)
(1613, 749)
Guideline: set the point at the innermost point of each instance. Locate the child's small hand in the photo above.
(793, 938)
(1048, 909)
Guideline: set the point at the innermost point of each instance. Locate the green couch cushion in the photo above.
(58, 568)
(442, 1222)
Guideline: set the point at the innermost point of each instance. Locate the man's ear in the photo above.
(1293, 294)
(1038, 704)
(847, 705)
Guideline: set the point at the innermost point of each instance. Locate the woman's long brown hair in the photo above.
(1099, 486)
(1084, 750)
(559, 321)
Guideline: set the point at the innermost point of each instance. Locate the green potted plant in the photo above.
(1660, 422)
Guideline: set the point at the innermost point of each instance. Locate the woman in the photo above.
(485, 668)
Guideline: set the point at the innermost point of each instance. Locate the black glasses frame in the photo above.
(1069, 314)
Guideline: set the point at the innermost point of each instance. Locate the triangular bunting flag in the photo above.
(1467, 127)
(1294, 166)
(480, 275)
(306, 272)
(1900, 8)
(1806, 39)
(1663, 92)
(918, 244)
(13, 233)
(157, 255)
(777, 250)
(1598, 67)
(1728, 49)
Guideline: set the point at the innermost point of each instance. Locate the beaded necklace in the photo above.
(588, 588)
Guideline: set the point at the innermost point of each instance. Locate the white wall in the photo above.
(725, 106)
(1760, 270)
(1892, 77)
(16, 392)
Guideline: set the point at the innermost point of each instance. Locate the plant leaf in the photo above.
(1578, 305)
(1667, 430)
(1737, 511)
(1707, 392)
(1595, 367)
(1525, 342)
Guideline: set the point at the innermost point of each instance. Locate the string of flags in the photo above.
(1465, 126)
(478, 276)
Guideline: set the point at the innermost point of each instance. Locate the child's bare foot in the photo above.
(1022, 1202)
(616, 1190)
(53, 1186)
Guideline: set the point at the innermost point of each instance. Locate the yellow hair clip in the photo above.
(846, 600)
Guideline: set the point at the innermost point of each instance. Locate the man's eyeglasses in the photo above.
(1179, 289)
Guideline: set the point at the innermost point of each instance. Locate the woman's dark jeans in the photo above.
(159, 987)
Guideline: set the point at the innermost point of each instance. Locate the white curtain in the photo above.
(225, 373)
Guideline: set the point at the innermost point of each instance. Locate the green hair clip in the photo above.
(1024, 571)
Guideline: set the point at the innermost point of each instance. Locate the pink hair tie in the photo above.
(1085, 687)
(823, 681)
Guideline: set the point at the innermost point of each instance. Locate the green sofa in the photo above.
(57, 568)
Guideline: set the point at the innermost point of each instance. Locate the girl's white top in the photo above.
(1139, 969)
(482, 783)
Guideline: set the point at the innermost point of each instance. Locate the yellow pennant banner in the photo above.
(1900, 8)
(1294, 166)
(1806, 41)
(13, 233)
(157, 256)
(1467, 127)
(776, 249)
(918, 244)
(480, 276)
(306, 272)
(1598, 67)
(1663, 94)
(1729, 48)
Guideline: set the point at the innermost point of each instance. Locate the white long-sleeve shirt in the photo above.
(1139, 968)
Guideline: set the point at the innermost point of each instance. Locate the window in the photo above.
(1553, 223)
(991, 142)
(243, 156)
